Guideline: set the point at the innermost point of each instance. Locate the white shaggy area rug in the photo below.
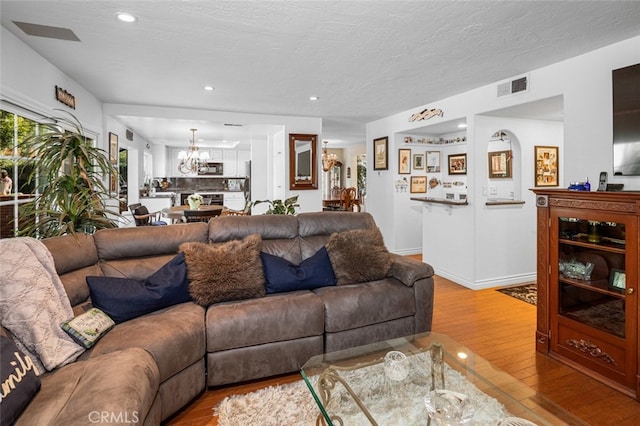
(394, 403)
(291, 405)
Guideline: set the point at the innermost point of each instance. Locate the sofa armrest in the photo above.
(408, 270)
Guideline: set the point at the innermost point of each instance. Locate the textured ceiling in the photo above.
(364, 59)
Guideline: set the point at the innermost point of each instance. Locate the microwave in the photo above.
(210, 169)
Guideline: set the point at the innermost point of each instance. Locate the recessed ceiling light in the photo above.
(208, 88)
(462, 126)
(314, 98)
(126, 17)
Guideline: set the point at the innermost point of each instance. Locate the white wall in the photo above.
(479, 246)
(504, 241)
(29, 80)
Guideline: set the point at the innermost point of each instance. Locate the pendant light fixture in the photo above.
(328, 160)
(191, 159)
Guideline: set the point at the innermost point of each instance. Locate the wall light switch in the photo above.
(493, 190)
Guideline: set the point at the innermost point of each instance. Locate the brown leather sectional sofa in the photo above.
(148, 368)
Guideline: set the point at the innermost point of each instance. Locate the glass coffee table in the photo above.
(395, 382)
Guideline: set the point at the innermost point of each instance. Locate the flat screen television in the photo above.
(626, 121)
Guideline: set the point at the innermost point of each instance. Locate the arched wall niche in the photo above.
(504, 166)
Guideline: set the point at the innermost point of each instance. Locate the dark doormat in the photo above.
(527, 292)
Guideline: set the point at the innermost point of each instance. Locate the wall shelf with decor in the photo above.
(433, 143)
(587, 283)
(504, 202)
(441, 201)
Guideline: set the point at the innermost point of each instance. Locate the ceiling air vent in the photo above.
(38, 30)
(520, 84)
(129, 135)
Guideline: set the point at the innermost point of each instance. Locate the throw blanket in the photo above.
(33, 303)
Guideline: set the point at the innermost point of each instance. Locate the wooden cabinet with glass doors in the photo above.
(587, 273)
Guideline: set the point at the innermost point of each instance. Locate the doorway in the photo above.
(123, 179)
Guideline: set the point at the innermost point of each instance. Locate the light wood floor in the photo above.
(497, 327)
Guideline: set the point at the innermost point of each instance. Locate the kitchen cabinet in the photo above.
(156, 204)
(243, 158)
(587, 269)
(230, 160)
(234, 200)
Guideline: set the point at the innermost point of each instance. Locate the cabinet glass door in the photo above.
(592, 273)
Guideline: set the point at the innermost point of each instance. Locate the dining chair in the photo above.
(201, 215)
(143, 217)
(246, 211)
(348, 200)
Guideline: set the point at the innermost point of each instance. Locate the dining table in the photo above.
(330, 204)
(176, 213)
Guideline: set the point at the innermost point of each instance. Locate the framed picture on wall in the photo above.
(546, 165)
(404, 161)
(433, 161)
(418, 161)
(418, 184)
(381, 153)
(500, 164)
(113, 148)
(458, 164)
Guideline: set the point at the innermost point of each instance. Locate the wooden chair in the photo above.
(348, 200)
(201, 215)
(143, 217)
(244, 212)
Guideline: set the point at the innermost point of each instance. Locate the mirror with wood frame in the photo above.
(302, 161)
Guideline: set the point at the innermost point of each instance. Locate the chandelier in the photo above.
(328, 160)
(191, 159)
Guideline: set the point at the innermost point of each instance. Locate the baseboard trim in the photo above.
(487, 283)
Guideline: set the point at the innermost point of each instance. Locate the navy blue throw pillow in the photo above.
(282, 275)
(126, 298)
(19, 381)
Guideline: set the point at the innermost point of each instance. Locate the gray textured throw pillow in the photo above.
(224, 271)
(359, 255)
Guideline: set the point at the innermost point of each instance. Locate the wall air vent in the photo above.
(520, 84)
(129, 135)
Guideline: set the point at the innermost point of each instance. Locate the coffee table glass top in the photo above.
(386, 384)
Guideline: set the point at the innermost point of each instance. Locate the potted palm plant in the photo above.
(68, 177)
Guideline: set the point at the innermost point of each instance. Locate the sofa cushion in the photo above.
(175, 336)
(315, 228)
(225, 271)
(126, 298)
(19, 381)
(275, 318)
(279, 233)
(121, 386)
(359, 305)
(359, 255)
(87, 328)
(282, 275)
(75, 257)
